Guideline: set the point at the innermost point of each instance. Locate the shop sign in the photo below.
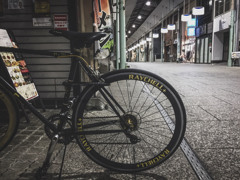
(201, 30)
(42, 21)
(61, 21)
(191, 23)
(191, 32)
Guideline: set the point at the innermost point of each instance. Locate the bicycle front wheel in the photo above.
(8, 120)
(139, 121)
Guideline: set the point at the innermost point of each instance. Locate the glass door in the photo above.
(205, 50)
(198, 51)
(202, 51)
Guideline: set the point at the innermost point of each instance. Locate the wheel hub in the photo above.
(131, 121)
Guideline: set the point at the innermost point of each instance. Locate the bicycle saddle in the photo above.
(79, 40)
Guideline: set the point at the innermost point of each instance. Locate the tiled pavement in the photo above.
(211, 94)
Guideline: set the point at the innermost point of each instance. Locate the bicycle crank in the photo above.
(55, 120)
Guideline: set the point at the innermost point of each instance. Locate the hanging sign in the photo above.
(191, 22)
(60, 21)
(155, 35)
(191, 31)
(103, 23)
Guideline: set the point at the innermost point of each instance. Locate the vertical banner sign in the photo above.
(103, 23)
(61, 21)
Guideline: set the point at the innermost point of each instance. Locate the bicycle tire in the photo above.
(160, 109)
(9, 118)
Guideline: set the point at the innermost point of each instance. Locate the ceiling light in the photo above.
(129, 32)
(210, 3)
(139, 17)
(148, 3)
(133, 25)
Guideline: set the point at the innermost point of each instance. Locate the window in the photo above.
(207, 4)
(222, 6)
(227, 5)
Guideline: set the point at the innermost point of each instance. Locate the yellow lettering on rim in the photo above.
(131, 76)
(82, 137)
(154, 160)
(148, 80)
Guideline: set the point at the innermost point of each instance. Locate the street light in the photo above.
(148, 3)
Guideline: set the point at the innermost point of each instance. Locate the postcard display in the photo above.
(17, 69)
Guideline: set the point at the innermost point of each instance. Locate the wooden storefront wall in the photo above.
(48, 73)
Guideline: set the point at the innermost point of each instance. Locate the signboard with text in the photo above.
(17, 69)
(61, 21)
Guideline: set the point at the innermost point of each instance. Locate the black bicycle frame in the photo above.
(95, 82)
(13, 92)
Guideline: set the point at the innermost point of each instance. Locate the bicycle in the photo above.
(139, 121)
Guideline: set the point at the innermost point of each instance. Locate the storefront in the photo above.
(188, 41)
(221, 37)
(204, 44)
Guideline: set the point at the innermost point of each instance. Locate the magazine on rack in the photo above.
(17, 69)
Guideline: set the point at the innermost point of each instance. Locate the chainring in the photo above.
(55, 119)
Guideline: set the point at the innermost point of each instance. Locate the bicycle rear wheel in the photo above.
(8, 120)
(141, 132)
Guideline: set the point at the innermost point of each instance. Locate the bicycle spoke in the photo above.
(159, 134)
(136, 122)
(139, 96)
(122, 96)
(145, 100)
(133, 92)
(160, 142)
(128, 92)
(147, 143)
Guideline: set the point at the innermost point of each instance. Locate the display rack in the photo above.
(14, 70)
